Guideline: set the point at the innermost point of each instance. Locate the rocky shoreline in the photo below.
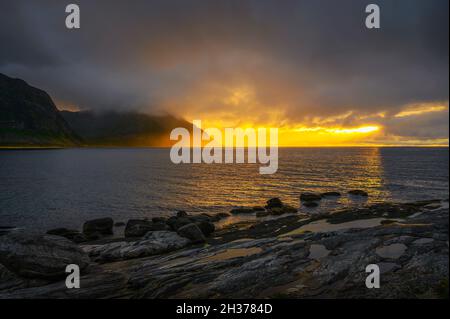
(294, 255)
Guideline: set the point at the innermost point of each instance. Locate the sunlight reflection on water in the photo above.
(63, 188)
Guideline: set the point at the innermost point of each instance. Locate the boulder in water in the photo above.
(102, 226)
(310, 204)
(192, 232)
(274, 203)
(310, 197)
(176, 222)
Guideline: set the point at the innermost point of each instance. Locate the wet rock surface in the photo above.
(310, 204)
(274, 207)
(310, 197)
(101, 226)
(5, 230)
(156, 242)
(138, 228)
(191, 232)
(71, 234)
(296, 256)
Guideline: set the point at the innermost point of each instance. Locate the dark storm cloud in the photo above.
(313, 58)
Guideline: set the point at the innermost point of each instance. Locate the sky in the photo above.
(310, 68)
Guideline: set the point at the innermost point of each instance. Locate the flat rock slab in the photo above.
(156, 242)
(40, 256)
(254, 263)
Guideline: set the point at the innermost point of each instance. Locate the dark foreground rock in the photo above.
(273, 207)
(204, 222)
(310, 197)
(274, 203)
(5, 230)
(358, 192)
(324, 256)
(206, 227)
(101, 226)
(71, 234)
(310, 204)
(138, 228)
(242, 210)
(37, 256)
(153, 243)
(192, 232)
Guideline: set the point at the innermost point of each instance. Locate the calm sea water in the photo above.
(42, 189)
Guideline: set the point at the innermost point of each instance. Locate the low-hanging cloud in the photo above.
(295, 61)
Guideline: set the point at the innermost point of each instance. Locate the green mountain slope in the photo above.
(28, 117)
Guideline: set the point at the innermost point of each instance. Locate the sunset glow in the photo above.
(356, 130)
(422, 109)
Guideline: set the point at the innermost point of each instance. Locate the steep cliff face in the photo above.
(28, 117)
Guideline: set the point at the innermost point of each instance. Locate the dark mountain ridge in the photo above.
(28, 117)
(123, 128)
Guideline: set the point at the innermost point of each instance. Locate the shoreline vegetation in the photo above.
(282, 254)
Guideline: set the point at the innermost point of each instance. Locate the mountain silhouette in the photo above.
(123, 128)
(28, 117)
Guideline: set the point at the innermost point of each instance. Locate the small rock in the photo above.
(191, 232)
(310, 197)
(358, 192)
(285, 209)
(273, 203)
(258, 209)
(103, 226)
